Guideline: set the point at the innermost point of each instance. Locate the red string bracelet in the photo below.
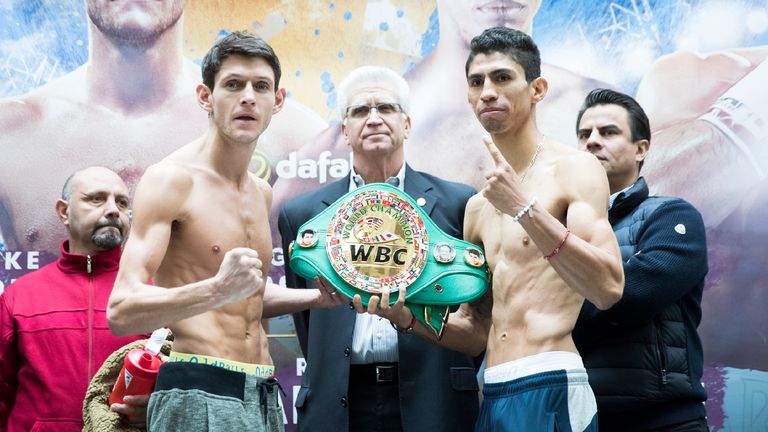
(406, 330)
(560, 246)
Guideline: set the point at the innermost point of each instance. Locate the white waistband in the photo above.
(537, 363)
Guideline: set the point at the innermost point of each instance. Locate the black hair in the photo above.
(637, 119)
(514, 43)
(238, 43)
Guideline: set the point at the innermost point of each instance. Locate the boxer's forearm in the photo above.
(141, 308)
(282, 301)
(584, 253)
(466, 330)
(463, 332)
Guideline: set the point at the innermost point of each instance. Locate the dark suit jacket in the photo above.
(438, 387)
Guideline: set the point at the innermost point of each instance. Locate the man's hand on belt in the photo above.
(327, 295)
(396, 313)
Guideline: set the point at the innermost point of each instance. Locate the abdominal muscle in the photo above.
(232, 332)
(534, 311)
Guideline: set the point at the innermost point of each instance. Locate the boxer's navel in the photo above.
(526, 240)
(215, 249)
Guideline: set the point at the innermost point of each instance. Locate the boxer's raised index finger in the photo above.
(498, 158)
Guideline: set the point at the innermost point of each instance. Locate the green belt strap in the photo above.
(378, 237)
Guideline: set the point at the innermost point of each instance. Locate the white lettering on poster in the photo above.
(277, 257)
(280, 282)
(295, 396)
(282, 408)
(18, 260)
(320, 169)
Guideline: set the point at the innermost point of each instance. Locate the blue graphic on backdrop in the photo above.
(40, 41)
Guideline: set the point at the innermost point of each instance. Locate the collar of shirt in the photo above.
(614, 196)
(356, 181)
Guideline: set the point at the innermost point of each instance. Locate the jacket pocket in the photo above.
(57, 426)
(464, 379)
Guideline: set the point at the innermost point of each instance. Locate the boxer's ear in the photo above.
(539, 88)
(279, 100)
(204, 98)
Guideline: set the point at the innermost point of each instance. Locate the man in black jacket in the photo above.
(643, 355)
(362, 374)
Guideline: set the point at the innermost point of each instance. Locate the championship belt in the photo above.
(377, 237)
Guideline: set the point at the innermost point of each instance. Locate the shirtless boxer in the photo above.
(201, 232)
(542, 199)
(446, 139)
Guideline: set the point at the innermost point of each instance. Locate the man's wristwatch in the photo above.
(407, 330)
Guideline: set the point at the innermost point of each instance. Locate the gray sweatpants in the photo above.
(198, 397)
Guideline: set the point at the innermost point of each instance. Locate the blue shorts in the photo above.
(554, 400)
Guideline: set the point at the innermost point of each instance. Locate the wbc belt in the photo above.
(377, 237)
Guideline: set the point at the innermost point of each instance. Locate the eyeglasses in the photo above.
(360, 112)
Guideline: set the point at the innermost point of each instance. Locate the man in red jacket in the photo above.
(53, 328)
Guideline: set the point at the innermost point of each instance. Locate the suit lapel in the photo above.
(420, 189)
(335, 191)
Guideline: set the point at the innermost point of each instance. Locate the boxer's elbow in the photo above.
(116, 321)
(118, 318)
(609, 299)
(612, 292)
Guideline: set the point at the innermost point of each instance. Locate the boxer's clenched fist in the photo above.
(239, 275)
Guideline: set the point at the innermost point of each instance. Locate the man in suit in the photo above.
(363, 374)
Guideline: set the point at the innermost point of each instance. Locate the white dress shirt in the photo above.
(374, 340)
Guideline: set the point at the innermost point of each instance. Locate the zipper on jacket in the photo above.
(662, 354)
(90, 318)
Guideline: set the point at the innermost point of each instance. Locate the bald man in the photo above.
(53, 328)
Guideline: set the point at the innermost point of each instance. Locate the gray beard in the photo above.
(107, 240)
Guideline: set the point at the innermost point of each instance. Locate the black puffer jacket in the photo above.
(644, 356)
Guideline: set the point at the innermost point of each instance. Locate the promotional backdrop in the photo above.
(678, 57)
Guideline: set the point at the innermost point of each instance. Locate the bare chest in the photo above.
(217, 221)
(506, 241)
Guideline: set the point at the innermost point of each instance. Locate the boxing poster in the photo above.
(697, 67)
